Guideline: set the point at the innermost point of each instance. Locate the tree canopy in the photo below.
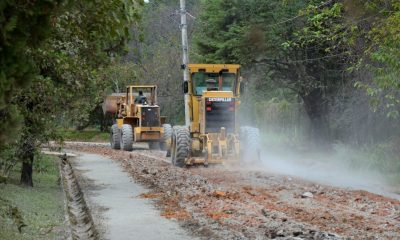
(311, 48)
(60, 48)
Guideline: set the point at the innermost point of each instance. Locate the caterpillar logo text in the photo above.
(220, 99)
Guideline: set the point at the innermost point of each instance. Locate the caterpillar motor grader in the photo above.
(137, 118)
(213, 135)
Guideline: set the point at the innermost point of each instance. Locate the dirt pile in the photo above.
(231, 203)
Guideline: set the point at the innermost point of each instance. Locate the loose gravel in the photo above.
(231, 202)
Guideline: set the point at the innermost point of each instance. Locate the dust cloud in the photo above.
(289, 149)
(328, 169)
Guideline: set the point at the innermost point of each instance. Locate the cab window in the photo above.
(224, 81)
(228, 81)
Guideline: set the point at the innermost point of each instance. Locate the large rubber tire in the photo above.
(115, 137)
(154, 145)
(250, 143)
(126, 137)
(181, 145)
(165, 143)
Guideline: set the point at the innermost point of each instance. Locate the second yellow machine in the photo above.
(214, 134)
(138, 118)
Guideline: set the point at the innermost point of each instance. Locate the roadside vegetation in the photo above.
(33, 213)
(86, 135)
(53, 57)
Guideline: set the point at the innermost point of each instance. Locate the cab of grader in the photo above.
(138, 118)
(214, 135)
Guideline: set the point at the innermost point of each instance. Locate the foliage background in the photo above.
(60, 48)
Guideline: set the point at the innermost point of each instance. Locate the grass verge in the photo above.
(40, 208)
(87, 135)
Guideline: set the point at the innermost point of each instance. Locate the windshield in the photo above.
(213, 81)
(141, 94)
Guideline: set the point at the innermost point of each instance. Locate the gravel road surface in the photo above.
(231, 202)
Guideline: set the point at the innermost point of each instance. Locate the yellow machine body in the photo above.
(146, 127)
(213, 113)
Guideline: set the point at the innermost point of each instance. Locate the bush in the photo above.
(7, 162)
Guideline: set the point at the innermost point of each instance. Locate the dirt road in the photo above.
(229, 202)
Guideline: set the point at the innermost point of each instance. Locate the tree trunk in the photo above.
(27, 169)
(316, 106)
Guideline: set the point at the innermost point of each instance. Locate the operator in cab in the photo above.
(140, 99)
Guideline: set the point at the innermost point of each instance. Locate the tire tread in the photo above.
(127, 137)
(115, 138)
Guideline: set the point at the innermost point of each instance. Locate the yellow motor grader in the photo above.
(137, 118)
(213, 135)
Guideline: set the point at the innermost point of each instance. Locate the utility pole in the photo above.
(185, 57)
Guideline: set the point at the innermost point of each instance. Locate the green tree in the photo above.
(382, 57)
(303, 46)
(83, 38)
(23, 25)
(38, 104)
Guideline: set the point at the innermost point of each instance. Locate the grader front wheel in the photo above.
(180, 148)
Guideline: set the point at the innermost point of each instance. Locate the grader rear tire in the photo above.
(165, 143)
(115, 137)
(127, 137)
(181, 145)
